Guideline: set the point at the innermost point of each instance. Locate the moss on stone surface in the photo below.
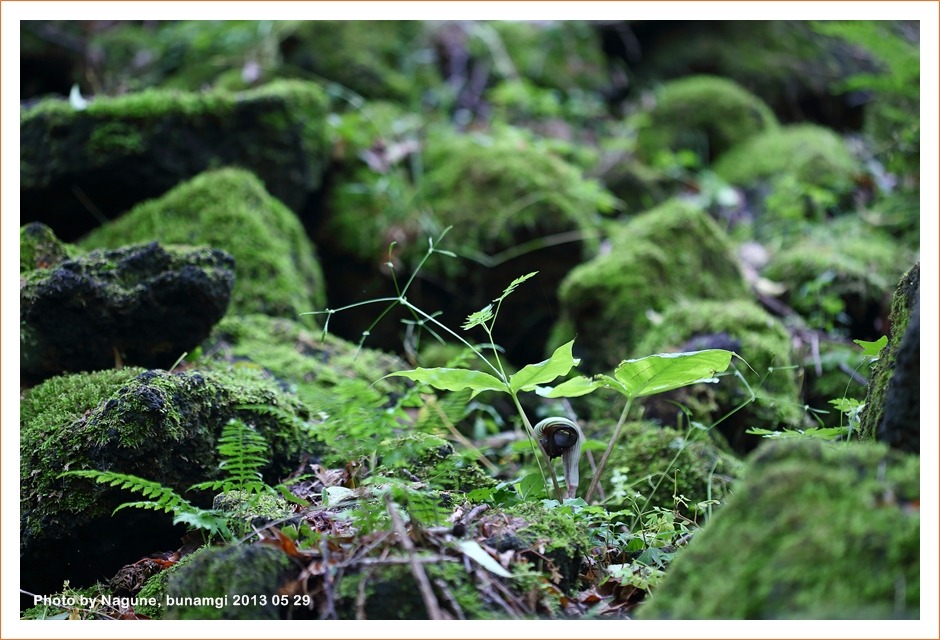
(669, 253)
(275, 264)
(155, 425)
(706, 114)
(906, 296)
(839, 276)
(41, 249)
(813, 154)
(690, 465)
(433, 460)
(814, 530)
(250, 572)
(155, 587)
(120, 151)
(755, 335)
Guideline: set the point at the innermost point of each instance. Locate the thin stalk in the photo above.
(548, 460)
(610, 447)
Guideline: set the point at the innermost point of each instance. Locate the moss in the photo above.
(275, 264)
(764, 343)
(155, 425)
(812, 531)
(123, 150)
(691, 465)
(905, 298)
(155, 587)
(669, 253)
(243, 510)
(253, 573)
(433, 460)
(706, 114)
(814, 155)
(839, 276)
(41, 249)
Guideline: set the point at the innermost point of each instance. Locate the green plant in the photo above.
(243, 452)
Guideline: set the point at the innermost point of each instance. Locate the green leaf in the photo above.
(473, 549)
(454, 379)
(667, 371)
(477, 318)
(581, 386)
(872, 349)
(531, 375)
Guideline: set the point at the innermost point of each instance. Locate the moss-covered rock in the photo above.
(798, 171)
(745, 328)
(121, 151)
(433, 460)
(705, 114)
(275, 265)
(143, 304)
(510, 202)
(229, 583)
(660, 466)
(900, 361)
(41, 249)
(155, 425)
(667, 254)
(840, 275)
(814, 530)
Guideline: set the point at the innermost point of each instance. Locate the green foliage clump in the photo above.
(813, 530)
(667, 254)
(275, 264)
(706, 114)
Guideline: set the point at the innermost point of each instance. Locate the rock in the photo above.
(240, 580)
(839, 275)
(675, 250)
(706, 114)
(123, 150)
(276, 270)
(892, 403)
(153, 424)
(41, 249)
(756, 336)
(144, 305)
(814, 530)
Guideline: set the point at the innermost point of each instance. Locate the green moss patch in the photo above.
(275, 265)
(813, 531)
(706, 114)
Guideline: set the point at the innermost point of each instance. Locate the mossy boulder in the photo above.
(892, 401)
(839, 276)
(41, 249)
(796, 172)
(745, 328)
(510, 202)
(673, 252)
(705, 114)
(276, 269)
(156, 425)
(120, 151)
(654, 465)
(143, 304)
(207, 588)
(813, 530)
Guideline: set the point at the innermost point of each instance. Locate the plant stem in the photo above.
(548, 460)
(610, 447)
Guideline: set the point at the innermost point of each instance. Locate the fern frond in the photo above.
(164, 498)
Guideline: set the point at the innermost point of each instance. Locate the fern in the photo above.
(166, 499)
(244, 452)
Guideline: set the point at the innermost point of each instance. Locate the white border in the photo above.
(12, 12)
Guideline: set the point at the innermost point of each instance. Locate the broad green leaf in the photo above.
(872, 349)
(667, 371)
(512, 285)
(573, 388)
(454, 379)
(473, 549)
(530, 375)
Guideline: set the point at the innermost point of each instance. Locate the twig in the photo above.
(424, 585)
(330, 611)
(451, 600)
